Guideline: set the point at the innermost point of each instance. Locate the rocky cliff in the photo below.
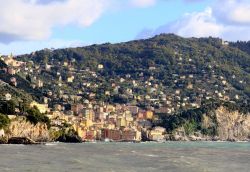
(232, 125)
(20, 127)
(226, 125)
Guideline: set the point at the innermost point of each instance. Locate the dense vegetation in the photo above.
(70, 136)
(192, 119)
(242, 45)
(7, 107)
(4, 121)
(34, 116)
(17, 94)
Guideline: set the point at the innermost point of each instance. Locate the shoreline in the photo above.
(28, 141)
(123, 142)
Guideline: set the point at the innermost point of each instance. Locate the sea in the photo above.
(127, 157)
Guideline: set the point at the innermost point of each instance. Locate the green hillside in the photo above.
(197, 67)
(23, 91)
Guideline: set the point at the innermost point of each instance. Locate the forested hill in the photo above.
(242, 45)
(200, 67)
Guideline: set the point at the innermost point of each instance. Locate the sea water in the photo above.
(127, 157)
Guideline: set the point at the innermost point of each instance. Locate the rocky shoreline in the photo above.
(208, 138)
(28, 141)
(18, 140)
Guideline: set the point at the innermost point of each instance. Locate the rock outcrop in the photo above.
(232, 126)
(20, 127)
(69, 139)
(69, 136)
(21, 140)
(228, 125)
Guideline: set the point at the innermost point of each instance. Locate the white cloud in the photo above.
(35, 19)
(142, 3)
(30, 20)
(233, 11)
(232, 22)
(197, 24)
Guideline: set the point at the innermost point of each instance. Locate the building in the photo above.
(157, 134)
(224, 42)
(121, 122)
(88, 114)
(12, 62)
(77, 108)
(11, 71)
(149, 114)
(100, 66)
(7, 96)
(13, 81)
(39, 83)
(110, 108)
(90, 135)
(86, 123)
(70, 79)
(43, 108)
(111, 134)
(131, 135)
(128, 135)
(133, 109)
(140, 115)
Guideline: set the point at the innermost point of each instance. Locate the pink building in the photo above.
(114, 135)
(128, 135)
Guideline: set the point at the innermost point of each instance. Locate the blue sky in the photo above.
(126, 24)
(38, 24)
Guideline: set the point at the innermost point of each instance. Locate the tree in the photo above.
(34, 116)
(4, 121)
(28, 78)
(8, 107)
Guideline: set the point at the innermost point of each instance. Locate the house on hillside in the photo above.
(7, 96)
(43, 108)
(226, 43)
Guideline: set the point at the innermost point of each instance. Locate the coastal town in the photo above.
(121, 109)
(90, 119)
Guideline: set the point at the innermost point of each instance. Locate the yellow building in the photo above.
(110, 108)
(149, 114)
(138, 136)
(80, 130)
(65, 64)
(86, 123)
(43, 108)
(12, 62)
(98, 125)
(81, 133)
(110, 126)
(57, 115)
(121, 122)
(70, 79)
(90, 115)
